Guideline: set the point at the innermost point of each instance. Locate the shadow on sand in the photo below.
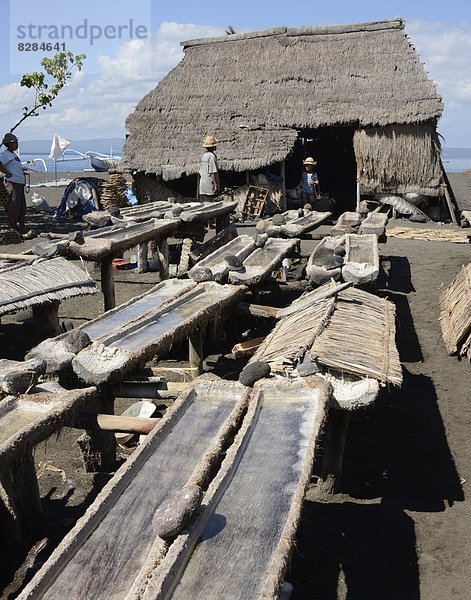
(396, 458)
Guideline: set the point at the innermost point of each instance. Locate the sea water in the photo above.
(456, 160)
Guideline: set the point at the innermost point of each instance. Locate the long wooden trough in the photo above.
(111, 240)
(294, 225)
(240, 247)
(361, 262)
(238, 543)
(153, 333)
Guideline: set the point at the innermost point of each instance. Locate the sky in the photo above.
(130, 46)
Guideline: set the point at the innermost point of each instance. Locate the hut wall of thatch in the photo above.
(258, 91)
(398, 159)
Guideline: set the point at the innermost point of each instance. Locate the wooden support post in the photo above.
(46, 317)
(20, 502)
(107, 283)
(358, 196)
(142, 258)
(449, 204)
(222, 222)
(283, 186)
(163, 260)
(337, 428)
(99, 447)
(195, 343)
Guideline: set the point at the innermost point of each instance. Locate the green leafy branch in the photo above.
(57, 71)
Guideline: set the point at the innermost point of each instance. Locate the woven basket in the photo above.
(3, 193)
(10, 236)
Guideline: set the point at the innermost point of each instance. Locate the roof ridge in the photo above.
(305, 30)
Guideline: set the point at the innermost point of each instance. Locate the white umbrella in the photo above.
(58, 146)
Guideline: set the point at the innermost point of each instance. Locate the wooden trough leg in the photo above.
(98, 447)
(222, 222)
(107, 283)
(20, 502)
(46, 317)
(163, 260)
(195, 343)
(142, 258)
(335, 446)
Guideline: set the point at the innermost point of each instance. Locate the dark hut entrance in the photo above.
(332, 148)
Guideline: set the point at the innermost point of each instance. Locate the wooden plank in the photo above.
(101, 557)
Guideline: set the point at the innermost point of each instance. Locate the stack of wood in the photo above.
(112, 192)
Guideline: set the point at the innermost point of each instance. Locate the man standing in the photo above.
(14, 182)
(209, 184)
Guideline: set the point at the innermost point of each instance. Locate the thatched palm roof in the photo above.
(254, 90)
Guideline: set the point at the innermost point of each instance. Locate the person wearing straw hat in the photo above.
(209, 184)
(14, 181)
(309, 181)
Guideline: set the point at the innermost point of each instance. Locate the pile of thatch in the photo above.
(42, 281)
(350, 332)
(112, 192)
(360, 338)
(399, 159)
(455, 314)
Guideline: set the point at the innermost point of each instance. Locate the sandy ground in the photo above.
(399, 526)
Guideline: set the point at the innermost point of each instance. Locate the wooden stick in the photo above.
(8, 256)
(117, 423)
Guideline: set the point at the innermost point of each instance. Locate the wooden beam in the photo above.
(163, 259)
(20, 500)
(256, 310)
(337, 428)
(142, 258)
(46, 317)
(107, 283)
(195, 344)
(283, 186)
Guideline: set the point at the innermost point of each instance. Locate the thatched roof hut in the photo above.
(360, 85)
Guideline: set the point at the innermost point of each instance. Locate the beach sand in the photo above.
(399, 526)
